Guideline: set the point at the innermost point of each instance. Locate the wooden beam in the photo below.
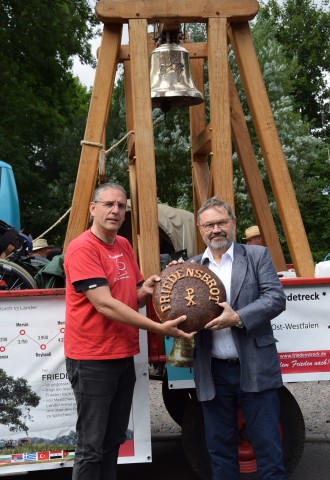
(253, 179)
(131, 159)
(95, 126)
(195, 50)
(271, 149)
(170, 10)
(200, 173)
(221, 169)
(148, 239)
(201, 144)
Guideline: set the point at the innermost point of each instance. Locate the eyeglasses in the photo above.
(111, 205)
(208, 227)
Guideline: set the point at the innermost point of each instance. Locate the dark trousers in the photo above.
(261, 411)
(103, 391)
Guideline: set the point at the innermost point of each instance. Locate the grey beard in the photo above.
(219, 244)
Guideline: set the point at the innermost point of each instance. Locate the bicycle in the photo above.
(16, 271)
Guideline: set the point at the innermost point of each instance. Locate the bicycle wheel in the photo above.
(14, 277)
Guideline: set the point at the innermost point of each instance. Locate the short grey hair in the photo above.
(107, 186)
(214, 202)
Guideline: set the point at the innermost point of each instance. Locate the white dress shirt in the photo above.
(223, 345)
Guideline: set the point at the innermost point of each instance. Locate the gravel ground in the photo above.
(312, 397)
(314, 401)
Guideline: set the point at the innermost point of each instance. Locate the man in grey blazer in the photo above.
(235, 358)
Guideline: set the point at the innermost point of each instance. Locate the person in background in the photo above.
(40, 250)
(104, 289)
(253, 236)
(55, 251)
(235, 357)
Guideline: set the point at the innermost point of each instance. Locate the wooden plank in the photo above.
(148, 240)
(200, 176)
(197, 125)
(95, 126)
(221, 169)
(201, 181)
(131, 159)
(195, 50)
(253, 179)
(170, 10)
(202, 143)
(271, 149)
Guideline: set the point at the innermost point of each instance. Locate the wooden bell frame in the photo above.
(227, 21)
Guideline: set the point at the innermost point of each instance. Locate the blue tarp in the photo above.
(9, 205)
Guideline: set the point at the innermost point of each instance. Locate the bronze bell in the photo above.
(170, 79)
(181, 353)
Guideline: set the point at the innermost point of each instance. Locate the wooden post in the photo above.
(95, 126)
(221, 170)
(199, 163)
(253, 179)
(148, 237)
(271, 149)
(131, 156)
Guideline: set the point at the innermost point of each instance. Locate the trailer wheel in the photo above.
(292, 429)
(15, 277)
(175, 400)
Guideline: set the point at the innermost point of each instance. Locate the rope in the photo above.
(106, 153)
(131, 132)
(92, 144)
(53, 226)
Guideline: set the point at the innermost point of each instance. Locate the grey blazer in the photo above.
(257, 296)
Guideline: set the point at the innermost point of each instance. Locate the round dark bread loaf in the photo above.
(188, 289)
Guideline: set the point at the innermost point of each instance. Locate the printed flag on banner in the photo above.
(68, 454)
(30, 457)
(17, 457)
(56, 454)
(5, 459)
(43, 455)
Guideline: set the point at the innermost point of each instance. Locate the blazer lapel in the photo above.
(238, 272)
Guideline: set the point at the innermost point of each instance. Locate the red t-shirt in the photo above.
(88, 334)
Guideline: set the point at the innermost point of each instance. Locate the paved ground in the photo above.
(312, 397)
(314, 401)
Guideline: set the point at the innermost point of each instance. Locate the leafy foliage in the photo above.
(39, 96)
(303, 30)
(16, 400)
(305, 151)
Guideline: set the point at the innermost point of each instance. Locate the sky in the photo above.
(86, 73)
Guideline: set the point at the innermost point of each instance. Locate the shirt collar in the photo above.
(207, 255)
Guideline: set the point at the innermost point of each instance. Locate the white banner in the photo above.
(37, 406)
(302, 331)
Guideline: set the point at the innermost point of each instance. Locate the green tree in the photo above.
(303, 29)
(306, 153)
(39, 96)
(16, 401)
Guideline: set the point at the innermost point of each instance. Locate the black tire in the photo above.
(175, 400)
(293, 435)
(15, 277)
(294, 432)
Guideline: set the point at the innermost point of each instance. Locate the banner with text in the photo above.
(38, 412)
(302, 331)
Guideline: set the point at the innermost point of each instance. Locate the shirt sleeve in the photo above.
(89, 284)
(84, 264)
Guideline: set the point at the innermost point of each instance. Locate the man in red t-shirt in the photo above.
(104, 289)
